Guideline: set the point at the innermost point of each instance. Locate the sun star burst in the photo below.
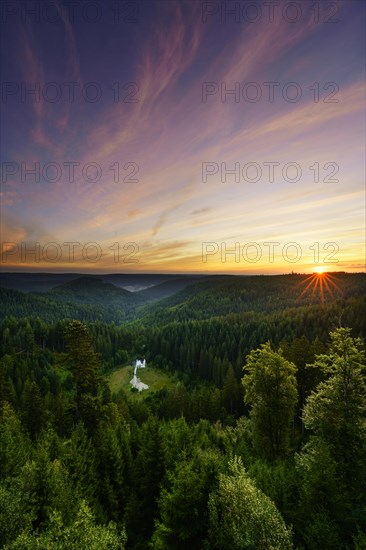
(320, 284)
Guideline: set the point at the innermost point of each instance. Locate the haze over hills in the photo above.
(86, 297)
(169, 287)
(41, 282)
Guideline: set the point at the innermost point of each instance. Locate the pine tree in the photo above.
(84, 361)
(331, 465)
(85, 365)
(231, 391)
(270, 391)
(15, 445)
(33, 407)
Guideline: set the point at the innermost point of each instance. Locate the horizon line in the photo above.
(180, 273)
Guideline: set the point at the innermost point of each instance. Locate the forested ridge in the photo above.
(260, 443)
(91, 298)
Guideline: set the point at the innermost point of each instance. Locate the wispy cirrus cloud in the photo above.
(170, 132)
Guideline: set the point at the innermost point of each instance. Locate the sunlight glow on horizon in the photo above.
(321, 284)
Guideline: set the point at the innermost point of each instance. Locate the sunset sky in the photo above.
(174, 131)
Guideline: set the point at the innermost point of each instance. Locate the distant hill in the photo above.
(223, 295)
(84, 298)
(34, 282)
(92, 298)
(95, 290)
(20, 304)
(42, 282)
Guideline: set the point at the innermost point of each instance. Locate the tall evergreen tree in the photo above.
(84, 361)
(85, 364)
(335, 413)
(231, 391)
(270, 391)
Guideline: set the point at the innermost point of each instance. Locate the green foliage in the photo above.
(331, 464)
(183, 519)
(112, 442)
(16, 510)
(339, 403)
(242, 517)
(47, 480)
(320, 495)
(84, 361)
(80, 458)
(223, 295)
(72, 451)
(82, 534)
(270, 391)
(359, 541)
(85, 365)
(33, 407)
(231, 393)
(147, 474)
(14, 444)
(85, 299)
(278, 480)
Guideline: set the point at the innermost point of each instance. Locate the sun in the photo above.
(320, 285)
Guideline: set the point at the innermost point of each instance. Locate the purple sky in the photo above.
(169, 162)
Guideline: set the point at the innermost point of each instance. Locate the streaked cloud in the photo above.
(170, 132)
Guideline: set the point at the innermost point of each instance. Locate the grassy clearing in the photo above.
(154, 378)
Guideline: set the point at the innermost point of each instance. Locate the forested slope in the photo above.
(258, 441)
